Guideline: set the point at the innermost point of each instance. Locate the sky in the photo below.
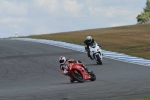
(30, 17)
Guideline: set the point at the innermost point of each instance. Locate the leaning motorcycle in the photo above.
(77, 73)
(96, 53)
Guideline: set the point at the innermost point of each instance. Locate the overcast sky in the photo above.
(27, 17)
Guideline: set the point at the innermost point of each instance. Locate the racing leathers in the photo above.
(87, 47)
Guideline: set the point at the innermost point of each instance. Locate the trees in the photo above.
(145, 15)
(147, 8)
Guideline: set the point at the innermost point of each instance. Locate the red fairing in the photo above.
(78, 67)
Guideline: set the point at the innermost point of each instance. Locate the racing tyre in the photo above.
(99, 61)
(93, 76)
(77, 76)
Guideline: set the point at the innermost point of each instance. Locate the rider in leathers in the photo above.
(64, 64)
(88, 42)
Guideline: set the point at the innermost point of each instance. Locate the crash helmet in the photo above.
(62, 59)
(89, 39)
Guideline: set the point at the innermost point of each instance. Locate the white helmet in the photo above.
(89, 39)
(62, 59)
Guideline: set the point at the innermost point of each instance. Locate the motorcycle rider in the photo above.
(64, 64)
(89, 40)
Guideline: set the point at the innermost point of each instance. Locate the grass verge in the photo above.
(132, 40)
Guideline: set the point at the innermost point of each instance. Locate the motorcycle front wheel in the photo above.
(99, 61)
(93, 76)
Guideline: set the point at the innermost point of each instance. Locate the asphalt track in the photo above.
(30, 71)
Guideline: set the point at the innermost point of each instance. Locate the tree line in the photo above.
(145, 15)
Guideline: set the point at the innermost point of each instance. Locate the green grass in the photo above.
(132, 40)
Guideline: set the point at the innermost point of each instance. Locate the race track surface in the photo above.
(30, 71)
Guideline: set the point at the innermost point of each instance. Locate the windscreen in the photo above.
(93, 45)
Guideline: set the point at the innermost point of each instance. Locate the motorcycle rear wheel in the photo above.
(77, 76)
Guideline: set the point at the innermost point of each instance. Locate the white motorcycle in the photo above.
(95, 52)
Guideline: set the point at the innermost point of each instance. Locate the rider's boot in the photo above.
(71, 80)
(90, 56)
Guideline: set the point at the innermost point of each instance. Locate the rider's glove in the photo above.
(99, 45)
(65, 72)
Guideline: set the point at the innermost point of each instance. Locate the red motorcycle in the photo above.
(77, 73)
